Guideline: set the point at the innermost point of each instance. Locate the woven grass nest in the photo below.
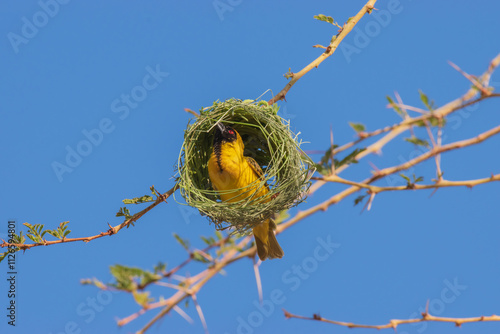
(268, 139)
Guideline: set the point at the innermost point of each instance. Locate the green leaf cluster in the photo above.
(35, 232)
(396, 108)
(324, 18)
(417, 141)
(138, 200)
(183, 242)
(428, 103)
(328, 19)
(358, 127)
(324, 167)
(130, 278)
(61, 232)
(409, 182)
(124, 212)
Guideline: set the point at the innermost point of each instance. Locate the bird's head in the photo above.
(226, 134)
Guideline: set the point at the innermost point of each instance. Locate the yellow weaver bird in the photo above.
(230, 170)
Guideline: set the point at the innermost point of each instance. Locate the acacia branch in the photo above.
(394, 323)
(395, 130)
(346, 29)
(193, 285)
(383, 173)
(438, 184)
(111, 231)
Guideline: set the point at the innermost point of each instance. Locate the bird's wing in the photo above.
(255, 167)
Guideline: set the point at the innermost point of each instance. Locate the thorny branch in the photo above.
(344, 31)
(394, 323)
(112, 229)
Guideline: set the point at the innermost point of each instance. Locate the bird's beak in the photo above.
(221, 127)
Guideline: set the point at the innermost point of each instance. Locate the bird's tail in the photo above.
(267, 245)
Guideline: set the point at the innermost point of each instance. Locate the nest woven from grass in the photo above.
(268, 139)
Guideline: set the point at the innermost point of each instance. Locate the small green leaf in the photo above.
(200, 258)
(434, 121)
(396, 108)
(408, 181)
(3, 255)
(328, 154)
(19, 239)
(417, 141)
(138, 200)
(358, 127)
(425, 100)
(350, 158)
(124, 212)
(359, 199)
(209, 241)
(184, 243)
(142, 298)
(160, 267)
(123, 276)
(60, 232)
(320, 168)
(418, 179)
(324, 18)
(54, 234)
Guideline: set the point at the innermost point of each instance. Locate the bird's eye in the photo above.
(231, 132)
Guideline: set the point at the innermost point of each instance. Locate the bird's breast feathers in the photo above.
(232, 173)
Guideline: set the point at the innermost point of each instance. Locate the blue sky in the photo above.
(118, 75)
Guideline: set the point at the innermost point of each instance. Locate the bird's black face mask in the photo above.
(224, 133)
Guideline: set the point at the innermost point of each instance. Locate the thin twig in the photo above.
(348, 26)
(439, 184)
(110, 231)
(394, 323)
